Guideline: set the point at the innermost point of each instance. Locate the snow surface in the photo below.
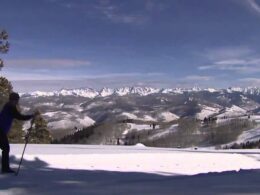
(89, 93)
(122, 91)
(65, 120)
(68, 123)
(129, 115)
(165, 132)
(75, 107)
(211, 90)
(106, 92)
(206, 111)
(234, 89)
(255, 118)
(176, 90)
(138, 127)
(250, 135)
(82, 169)
(168, 116)
(55, 113)
(233, 111)
(42, 93)
(142, 91)
(148, 118)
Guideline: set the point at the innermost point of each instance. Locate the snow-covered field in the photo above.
(82, 169)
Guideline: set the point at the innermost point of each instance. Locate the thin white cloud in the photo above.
(197, 78)
(49, 75)
(123, 75)
(250, 81)
(22, 76)
(254, 5)
(99, 81)
(46, 63)
(154, 5)
(120, 12)
(238, 65)
(239, 59)
(226, 53)
(196, 81)
(115, 14)
(106, 9)
(124, 18)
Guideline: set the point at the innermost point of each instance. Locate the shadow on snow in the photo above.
(37, 178)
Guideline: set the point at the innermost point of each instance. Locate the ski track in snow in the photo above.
(84, 169)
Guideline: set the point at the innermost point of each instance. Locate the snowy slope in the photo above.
(122, 91)
(148, 118)
(250, 135)
(143, 91)
(233, 111)
(70, 124)
(106, 92)
(168, 116)
(81, 169)
(164, 132)
(206, 111)
(176, 90)
(137, 127)
(127, 115)
(65, 120)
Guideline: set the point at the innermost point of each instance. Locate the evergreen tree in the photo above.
(5, 89)
(16, 133)
(4, 45)
(40, 133)
(5, 86)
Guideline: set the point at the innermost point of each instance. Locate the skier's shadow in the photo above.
(36, 177)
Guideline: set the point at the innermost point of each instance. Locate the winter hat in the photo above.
(14, 96)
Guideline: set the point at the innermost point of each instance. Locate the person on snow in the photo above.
(8, 113)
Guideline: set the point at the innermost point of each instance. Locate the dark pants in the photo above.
(4, 145)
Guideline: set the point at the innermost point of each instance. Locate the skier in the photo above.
(8, 113)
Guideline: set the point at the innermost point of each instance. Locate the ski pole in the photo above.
(26, 142)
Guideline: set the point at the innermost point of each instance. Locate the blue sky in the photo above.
(115, 43)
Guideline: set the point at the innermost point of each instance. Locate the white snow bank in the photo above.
(139, 145)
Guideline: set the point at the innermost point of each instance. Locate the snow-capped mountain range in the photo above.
(142, 91)
(73, 109)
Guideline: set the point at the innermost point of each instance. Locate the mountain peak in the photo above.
(137, 90)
